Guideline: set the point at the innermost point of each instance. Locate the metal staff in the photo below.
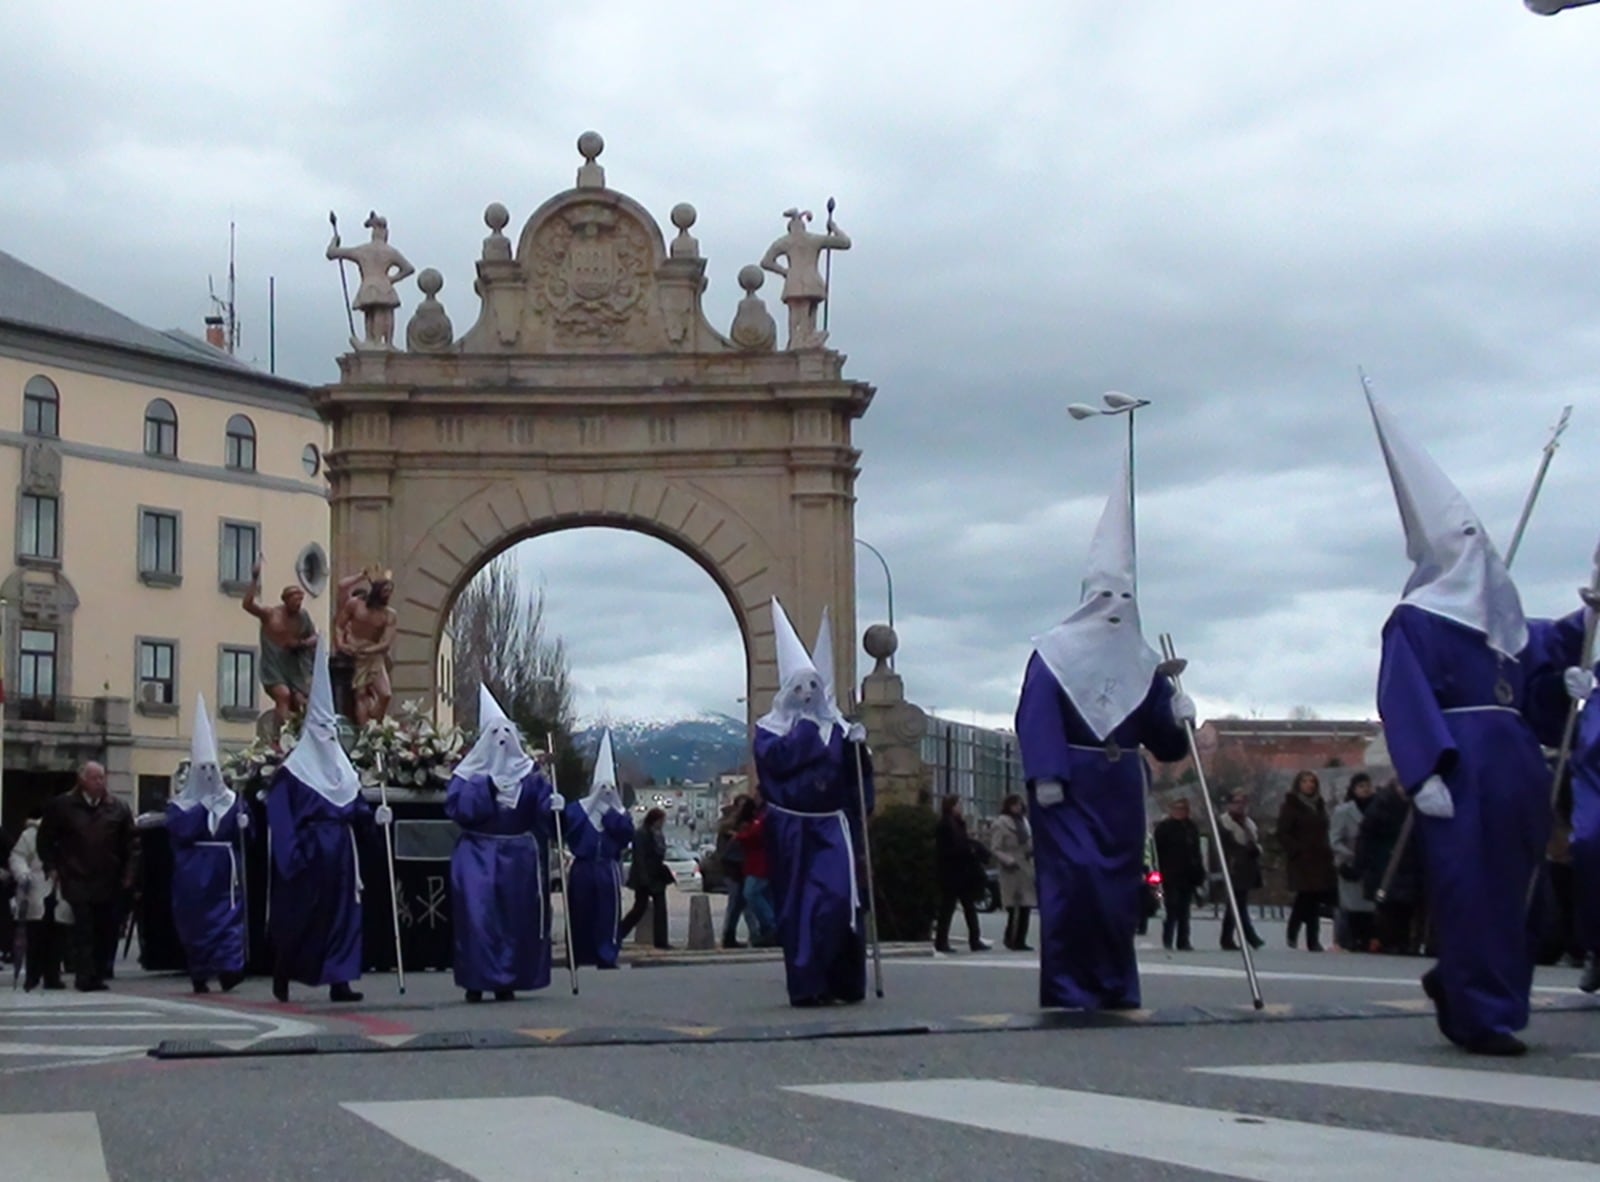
(827, 298)
(1410, 823)
(1170, 653)
(561, 867)
(244, 875)
(866, 851)
(349, 315)
(394, 886)
(1538, 483)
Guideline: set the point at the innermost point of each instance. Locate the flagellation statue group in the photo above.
(1470, 691)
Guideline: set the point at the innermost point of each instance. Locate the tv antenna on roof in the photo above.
(224, 310)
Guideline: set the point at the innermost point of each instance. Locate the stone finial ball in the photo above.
(430, 281)
(590, 145)
(880, 642)
(496, 216)
(683, 215)
(751, 277)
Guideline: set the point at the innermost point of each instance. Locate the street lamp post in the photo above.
(1119, 404)
(888, 581)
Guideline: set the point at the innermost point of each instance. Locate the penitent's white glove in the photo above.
(1183, 709)
(1433, 799)
(557, 801)
(244, 819)
(856, 733)
(1049, 792)
(1579, 683)
(383, 815)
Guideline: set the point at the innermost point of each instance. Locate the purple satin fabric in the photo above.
(207, 894)
(314, 907)
(594, 882)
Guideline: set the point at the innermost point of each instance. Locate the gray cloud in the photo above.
(1224, 208)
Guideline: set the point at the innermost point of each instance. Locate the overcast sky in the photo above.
(1223, 207)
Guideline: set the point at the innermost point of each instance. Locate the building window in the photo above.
(311, 459)
(240, 448)
(36, 663)
(160, 429)
(41, 407)
(39, 532)
(157, 676)
(237, 550)
(236, 683)
(159, 547)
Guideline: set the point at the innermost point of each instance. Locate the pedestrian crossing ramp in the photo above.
(495, 1139)
(47, 1028)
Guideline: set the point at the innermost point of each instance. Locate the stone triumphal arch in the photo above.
(593, 391)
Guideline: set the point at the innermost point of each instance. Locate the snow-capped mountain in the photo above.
(695, 749)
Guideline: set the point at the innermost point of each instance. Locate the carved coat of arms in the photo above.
(590, 274)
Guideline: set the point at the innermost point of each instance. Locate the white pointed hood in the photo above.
(603, 795)
(498, 753)
(204, 785)
(1457, 573)
(318, 760)
(1098, 654)
(822, 658)
(801, 689)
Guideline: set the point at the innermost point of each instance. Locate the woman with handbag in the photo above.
(648, 878)
(1013, 849)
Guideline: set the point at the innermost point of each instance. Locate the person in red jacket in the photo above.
(751, 834)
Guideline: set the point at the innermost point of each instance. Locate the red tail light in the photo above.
(1153, 878)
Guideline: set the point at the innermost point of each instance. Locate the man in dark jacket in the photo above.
(87, 840)
(1182, 872)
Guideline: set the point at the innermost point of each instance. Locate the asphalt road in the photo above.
(1343, 1074)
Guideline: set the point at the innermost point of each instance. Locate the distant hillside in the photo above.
(696, 749)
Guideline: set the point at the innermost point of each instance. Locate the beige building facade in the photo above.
(147, 471)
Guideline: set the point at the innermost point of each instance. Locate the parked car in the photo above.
(684, 865)
(680, 860)
(991, 890)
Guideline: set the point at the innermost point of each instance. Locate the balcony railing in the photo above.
(61, 711)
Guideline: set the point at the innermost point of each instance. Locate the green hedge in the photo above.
(903, 866)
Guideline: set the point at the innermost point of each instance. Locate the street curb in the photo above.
(599, 1036)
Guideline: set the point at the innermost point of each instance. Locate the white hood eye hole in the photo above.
(1470, 531)
(1105, 595)
(1114, 619)
(1127, 595)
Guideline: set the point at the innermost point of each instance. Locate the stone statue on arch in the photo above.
(804, 287)
(381, 266)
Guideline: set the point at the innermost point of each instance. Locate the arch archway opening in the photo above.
(635, 632)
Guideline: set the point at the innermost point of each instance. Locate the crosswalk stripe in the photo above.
(53, 1147)
(1260, 1148)
(1578, 1097)
(7, 1027)
(37, 1049)
(517, 1138)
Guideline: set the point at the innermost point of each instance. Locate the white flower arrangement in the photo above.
(405, 749)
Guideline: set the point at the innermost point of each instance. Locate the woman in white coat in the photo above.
(41, 908)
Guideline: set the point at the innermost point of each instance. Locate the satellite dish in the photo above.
(311, 568)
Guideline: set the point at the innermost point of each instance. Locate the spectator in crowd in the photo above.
(729, 854)
(1356, 931)
(1395, 913)
(1308, 858)
(1241, 847)
(959, 859)
(40, 908)
(86, 841)
(1013, 849)
(751, 834)
(1183, 872)
(648, 879)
